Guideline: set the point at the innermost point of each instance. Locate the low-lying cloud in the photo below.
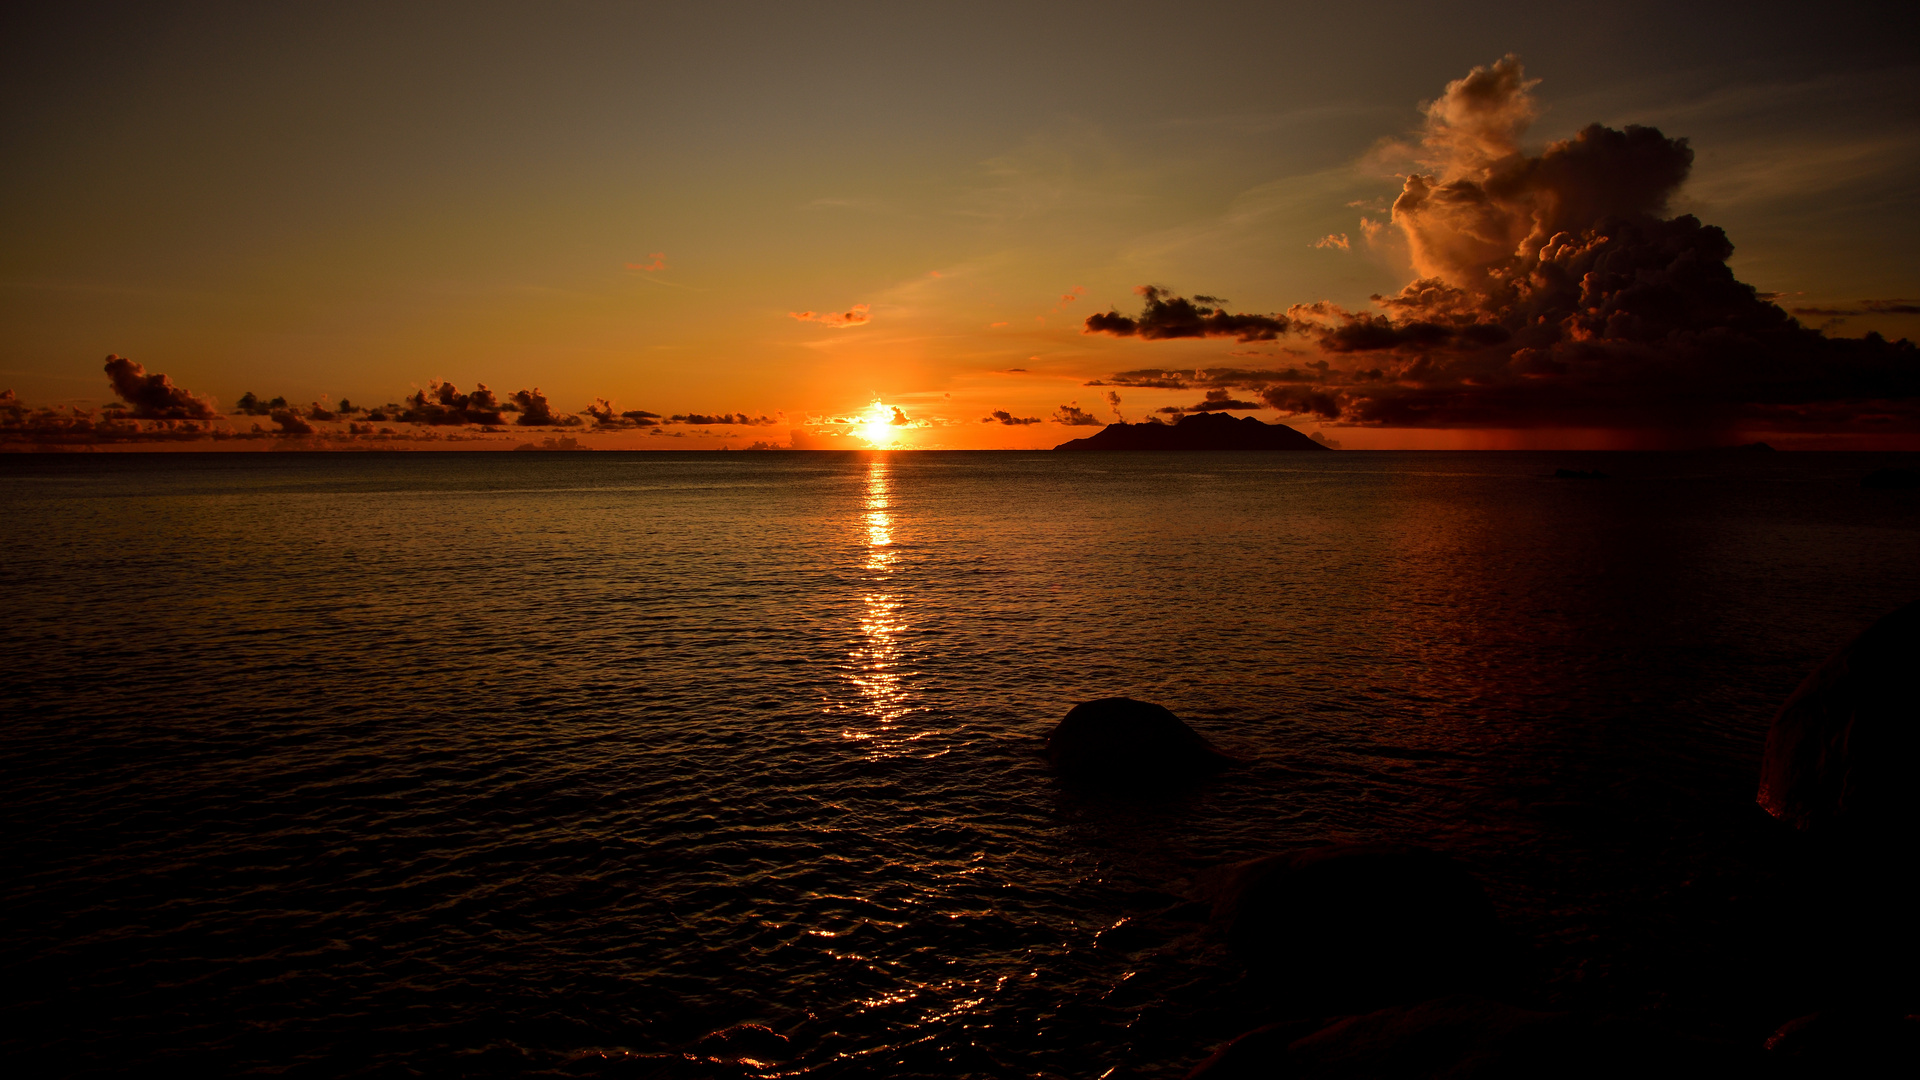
(442, 403)
(536, 411)
(152, 409)
(1866, 307)
(606, 415)
(723, 420)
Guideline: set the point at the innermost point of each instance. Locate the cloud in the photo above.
(1229, 378)
(655, 261)
(1867, 307)
(1553, 291)
(717, 419)
(1169, 316)
(154, 397)
(251, 405)
(899, 419)
(1149, 377)
(1002, 416)
(1303, 400)
(536, 412)
(854, 316)
(1334, 240)
(1222, 400)
(1113, 402)
(442, 404)
(291, 423)
(22, 425)
(1072, 416)
(607, 416)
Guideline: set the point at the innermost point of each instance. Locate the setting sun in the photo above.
(879, 426)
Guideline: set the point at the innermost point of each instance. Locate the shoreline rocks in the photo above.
(1840, 753)
(1358, 926)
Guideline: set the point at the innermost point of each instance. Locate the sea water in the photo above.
(482, 764)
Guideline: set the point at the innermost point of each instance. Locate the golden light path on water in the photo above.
(875, 660)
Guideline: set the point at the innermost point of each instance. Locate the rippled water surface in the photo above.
(487, 764)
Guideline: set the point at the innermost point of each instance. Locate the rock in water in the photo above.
(1841, 753)
(1120, 740)
(1358, 926)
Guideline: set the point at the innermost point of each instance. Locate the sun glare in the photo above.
(876, 426)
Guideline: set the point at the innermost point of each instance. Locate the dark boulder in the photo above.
(1841, 753)
(1120, 740)
(1464, 1038)
(1358, 926)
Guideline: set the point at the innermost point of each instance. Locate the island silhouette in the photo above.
(1201, 431)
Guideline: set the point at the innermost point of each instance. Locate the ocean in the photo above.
(509, 764)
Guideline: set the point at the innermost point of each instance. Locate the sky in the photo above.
(845, 225)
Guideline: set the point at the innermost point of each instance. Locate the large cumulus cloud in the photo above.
(1554, 290)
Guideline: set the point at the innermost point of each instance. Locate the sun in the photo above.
(877, 427)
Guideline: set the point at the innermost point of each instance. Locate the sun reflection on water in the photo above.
(874, 663)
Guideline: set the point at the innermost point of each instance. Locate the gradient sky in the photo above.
(632, 201)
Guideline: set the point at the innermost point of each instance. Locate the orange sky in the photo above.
(755, 211)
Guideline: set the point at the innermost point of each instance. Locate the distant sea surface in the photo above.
(488, 764)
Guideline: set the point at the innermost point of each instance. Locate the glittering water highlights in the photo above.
(484, 764)
(874, 665)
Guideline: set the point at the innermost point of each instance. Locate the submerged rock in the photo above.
(1357, 926)
(1120, 740)
(1841, 753)
(1462, 1038)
